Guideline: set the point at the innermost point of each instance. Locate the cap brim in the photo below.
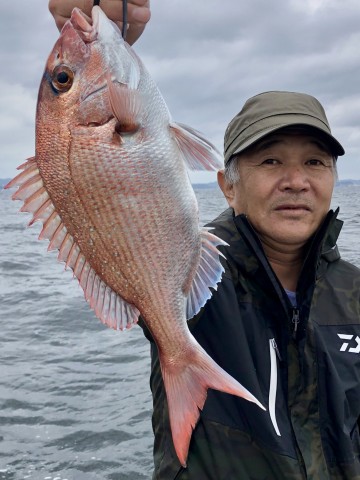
(335, 147)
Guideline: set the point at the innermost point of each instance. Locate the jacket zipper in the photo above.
(274, 352)
(295, 321)
(258, 250)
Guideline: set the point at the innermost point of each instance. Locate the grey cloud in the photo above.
(209, 56)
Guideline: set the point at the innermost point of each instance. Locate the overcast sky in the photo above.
(207, 57)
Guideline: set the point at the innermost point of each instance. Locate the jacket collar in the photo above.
(245, 250)
(235, 229)
(246, 254)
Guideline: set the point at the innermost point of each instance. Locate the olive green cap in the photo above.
(270, 111)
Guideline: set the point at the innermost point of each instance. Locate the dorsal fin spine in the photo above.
(108, 305)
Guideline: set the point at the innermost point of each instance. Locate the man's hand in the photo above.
(138, 13)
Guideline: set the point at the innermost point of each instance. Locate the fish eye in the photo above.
(62, 78)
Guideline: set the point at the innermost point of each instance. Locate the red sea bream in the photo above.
(109, 182)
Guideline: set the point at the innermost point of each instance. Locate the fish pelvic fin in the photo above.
(109, 307)
(208, 273)
(186, 391)
(198, 153)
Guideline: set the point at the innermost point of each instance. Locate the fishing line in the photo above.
(124, 19)
(124, 28)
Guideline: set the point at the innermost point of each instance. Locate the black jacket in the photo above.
(302, 363)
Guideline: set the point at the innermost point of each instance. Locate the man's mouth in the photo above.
(293, 207)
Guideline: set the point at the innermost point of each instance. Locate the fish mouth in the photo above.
(87, 27)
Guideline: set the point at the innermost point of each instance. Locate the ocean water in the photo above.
(75, 402)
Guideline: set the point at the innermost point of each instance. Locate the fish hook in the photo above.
(124, 28)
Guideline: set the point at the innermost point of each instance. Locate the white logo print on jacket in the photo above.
(354, 346)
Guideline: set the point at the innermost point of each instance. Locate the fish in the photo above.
(109, 182)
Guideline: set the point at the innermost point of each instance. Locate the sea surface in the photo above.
(75, 402)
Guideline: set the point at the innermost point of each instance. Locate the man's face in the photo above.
(285, 187)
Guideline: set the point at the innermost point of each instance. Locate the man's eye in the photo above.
(315, 162)
(270, 161)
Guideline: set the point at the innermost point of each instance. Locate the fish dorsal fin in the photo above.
(198, 153)
(208, 274)
(125, 104)
(109, 306)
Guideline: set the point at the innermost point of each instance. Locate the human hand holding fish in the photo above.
(109, 182)
(138, 13)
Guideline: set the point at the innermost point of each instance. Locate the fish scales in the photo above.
(128, 218)
(109, 182)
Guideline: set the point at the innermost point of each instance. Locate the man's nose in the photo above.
(295, 177)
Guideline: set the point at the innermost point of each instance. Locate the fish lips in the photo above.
(89, 28)
(84, 26)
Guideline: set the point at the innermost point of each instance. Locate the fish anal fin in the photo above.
(208, 273)
(198, 153)
(186, 391)
(126, 106)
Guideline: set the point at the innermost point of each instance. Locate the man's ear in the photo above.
(226, 188)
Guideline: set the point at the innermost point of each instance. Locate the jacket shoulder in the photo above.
(342, 272)
(336, 297)
(223, 225)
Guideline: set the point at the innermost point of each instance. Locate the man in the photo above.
(285, 320)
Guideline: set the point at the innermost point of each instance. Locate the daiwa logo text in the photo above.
(354, 346)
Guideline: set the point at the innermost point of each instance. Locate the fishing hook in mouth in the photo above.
(124, 19)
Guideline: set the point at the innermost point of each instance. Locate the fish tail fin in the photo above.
(186, 390)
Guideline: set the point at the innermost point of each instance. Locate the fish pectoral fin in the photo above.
(198, 153)
(125, 104)
(208, 273)
(186, 391)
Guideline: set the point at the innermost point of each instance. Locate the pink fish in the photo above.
(109, 182)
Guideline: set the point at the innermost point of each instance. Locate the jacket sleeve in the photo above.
(145, 329)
